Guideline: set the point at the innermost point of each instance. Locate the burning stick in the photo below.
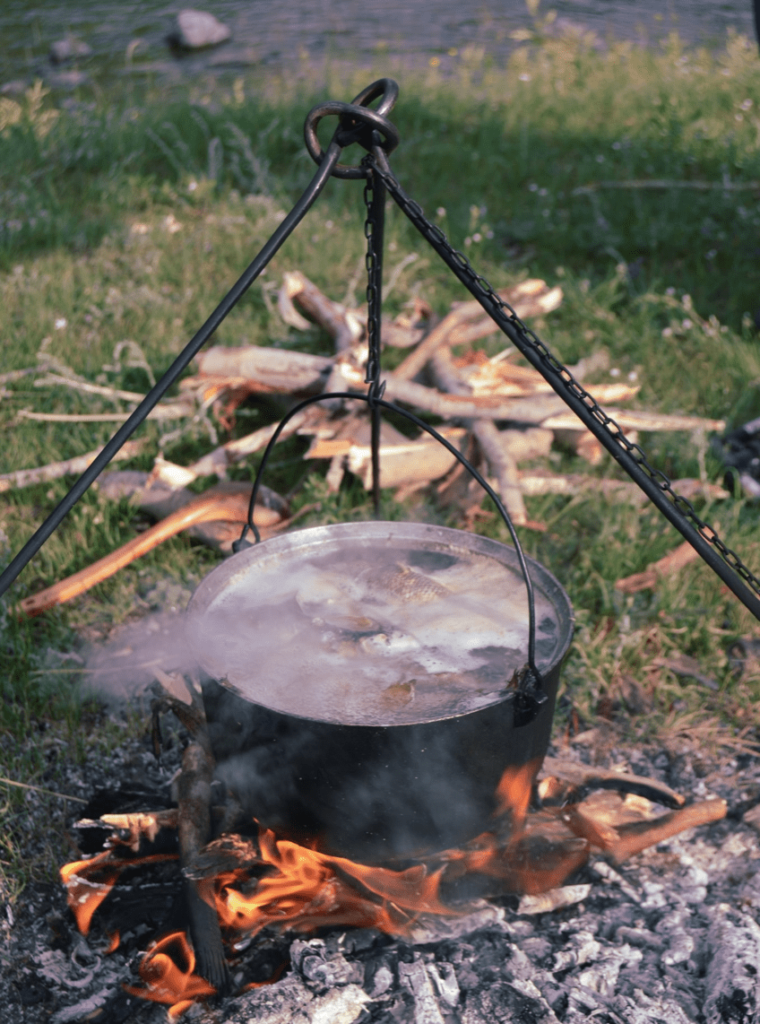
(194, 799)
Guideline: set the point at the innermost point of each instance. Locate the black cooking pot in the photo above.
(384, 787)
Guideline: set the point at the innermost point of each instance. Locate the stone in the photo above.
(196, 30)
(16, 87)
(69, 48)
(67, 79)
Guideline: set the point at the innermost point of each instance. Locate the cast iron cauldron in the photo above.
(372, 792)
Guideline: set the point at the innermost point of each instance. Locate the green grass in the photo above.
(126, 221)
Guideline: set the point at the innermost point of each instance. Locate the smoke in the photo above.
(124, 668)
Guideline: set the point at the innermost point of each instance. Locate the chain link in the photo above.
(373, 264)
(480, 285)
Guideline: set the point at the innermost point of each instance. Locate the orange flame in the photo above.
(514, 791)
(308, 889)
(88, 882)
(169, 975)
(305, 889)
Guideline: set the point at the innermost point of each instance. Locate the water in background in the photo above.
(128, 39)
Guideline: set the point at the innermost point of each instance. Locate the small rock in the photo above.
(752, 818)
(16, 87)
(195, 30)
(67, 79)
(68, 49)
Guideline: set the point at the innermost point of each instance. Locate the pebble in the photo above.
(195, 30)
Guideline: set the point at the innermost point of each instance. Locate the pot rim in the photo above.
(318, 540)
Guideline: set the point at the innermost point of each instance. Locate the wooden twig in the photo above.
(159, 412)
(40, 789)
(683, 555)
(584, 779)
(636, 419)
(637, 836)
(343, 326)
(503, 466)
(218, 460)
(525, 298)
(89, 389)
(533, 485)
(207, 508)
(55, 470)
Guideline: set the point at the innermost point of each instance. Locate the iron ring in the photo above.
(353, 116)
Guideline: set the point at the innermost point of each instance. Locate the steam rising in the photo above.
(125, 667)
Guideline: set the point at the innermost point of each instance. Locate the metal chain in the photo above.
(479, 284)
(373, 264)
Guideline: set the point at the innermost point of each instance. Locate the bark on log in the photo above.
(272, 369)
(194, 802)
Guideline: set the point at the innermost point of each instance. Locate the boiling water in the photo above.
(362, 640)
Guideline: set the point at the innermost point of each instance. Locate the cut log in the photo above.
(497, 455)
(270, 369)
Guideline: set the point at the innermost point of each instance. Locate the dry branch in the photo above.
(528, 298)
(636, 419)
(343, 325)
(533, 485)
(159, 412)
(269, 369)
(210, 507)
(637, 836)
(498, 456)
(89, 389)
(55, 470)
(670, 564)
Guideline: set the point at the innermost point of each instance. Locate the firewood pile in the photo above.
(497, 411)
(667, 934)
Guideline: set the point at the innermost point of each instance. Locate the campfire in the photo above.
(548, 824)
